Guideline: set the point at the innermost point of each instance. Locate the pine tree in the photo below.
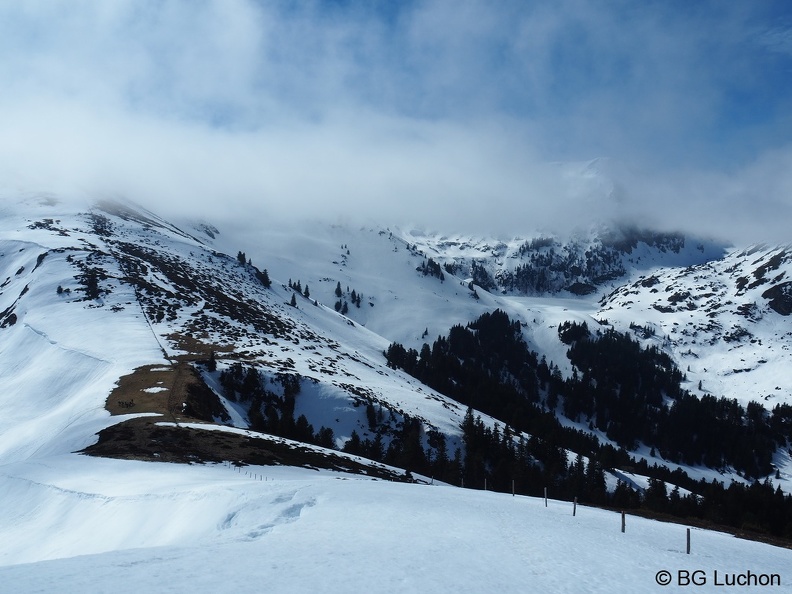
(338, 291)
(306, 292)
(293, 301)
(264, 278)
(353, 444)
(91, 281)
(211, 365)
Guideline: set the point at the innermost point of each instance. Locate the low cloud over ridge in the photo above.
(452, 115)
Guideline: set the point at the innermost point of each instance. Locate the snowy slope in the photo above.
(171, 295)
(86, 525)
(165, 296)
(58, 362)
(726, 322)
(741, 346)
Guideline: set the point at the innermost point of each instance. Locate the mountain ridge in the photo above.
(183, 296)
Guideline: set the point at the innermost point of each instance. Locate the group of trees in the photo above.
(270, 411)
(90, 281)
(630, 393)
(431, 268)
(634, 394)
(298, 290)
(505, 462)
(403, 441)
(297, 286)
(548, 268)
(341, 304)
(261, 275)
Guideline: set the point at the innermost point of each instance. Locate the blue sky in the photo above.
(430, 105)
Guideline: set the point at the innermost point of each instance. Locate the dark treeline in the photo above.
(630, 393)
(634, 394)
(431, 268)
(268, 411)
(549, 268)
(398, 439)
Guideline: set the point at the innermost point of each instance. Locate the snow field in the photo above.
(131, 526)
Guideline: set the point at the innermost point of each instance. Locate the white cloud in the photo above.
(447, 114)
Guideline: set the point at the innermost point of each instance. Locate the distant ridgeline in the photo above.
(546, 265)
(631, 394)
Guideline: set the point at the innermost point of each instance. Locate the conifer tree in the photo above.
(91, 280)
(264, 278)
(212, 363)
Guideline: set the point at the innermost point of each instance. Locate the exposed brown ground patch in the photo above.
(181, 395)
(196, 349)
(143, 439)
(188, 399)
(131, 388)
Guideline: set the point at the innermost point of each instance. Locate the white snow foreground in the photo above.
(77, 524)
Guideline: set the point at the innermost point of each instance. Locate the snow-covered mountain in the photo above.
(181, 342)
(726, 321)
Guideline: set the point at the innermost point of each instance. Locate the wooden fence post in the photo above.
(623, 521)
(688, 541)
(545, 496)
(574, 507)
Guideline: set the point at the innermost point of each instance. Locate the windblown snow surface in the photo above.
(72, 523)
